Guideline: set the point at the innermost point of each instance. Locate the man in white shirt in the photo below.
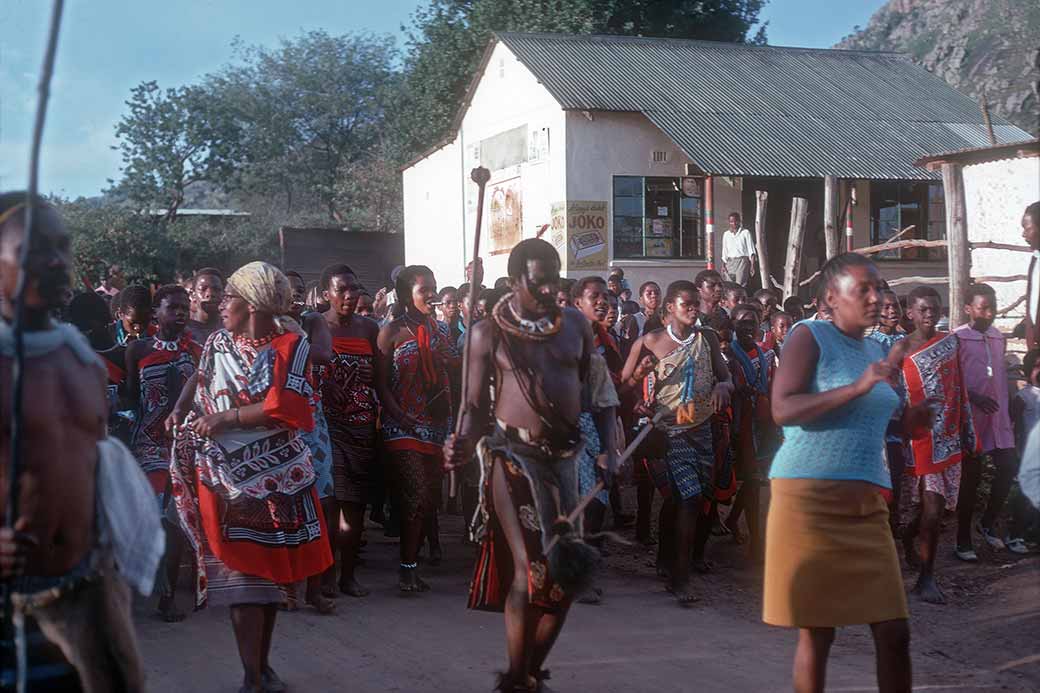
(738, 252)
(1031, 235)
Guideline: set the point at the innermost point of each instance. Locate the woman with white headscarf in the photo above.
(243, 481)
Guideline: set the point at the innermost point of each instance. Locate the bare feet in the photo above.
(927, 590)
(353, 588)
(910, 553)
(684, 594)
(436, 555)
(594, 595)
(271, 683)
(322, 604)
(409, 581)
(168, 611)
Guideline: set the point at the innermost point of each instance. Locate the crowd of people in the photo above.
(270, 417)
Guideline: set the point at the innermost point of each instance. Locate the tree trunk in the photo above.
(830, 216)
(760, 238)
(958, 252)
(795, 236)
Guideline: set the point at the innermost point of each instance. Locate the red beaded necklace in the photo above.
(257, 343)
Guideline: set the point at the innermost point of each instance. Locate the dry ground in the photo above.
(987, 638)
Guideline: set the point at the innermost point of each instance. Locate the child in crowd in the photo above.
(793, 307)
(982, 349)
(751, 365)
(887, 333)
(779, 325)
(767, 298)
(1025, 409)
(733, 295)
(932, 374)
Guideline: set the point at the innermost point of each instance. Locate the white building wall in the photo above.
(601, 145)
(433, 208)
(995, 195)
(508, 96)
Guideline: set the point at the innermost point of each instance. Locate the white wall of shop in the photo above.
(507, 97)
(996, 193)
(601, 145)
(440, 200)
(432, 190)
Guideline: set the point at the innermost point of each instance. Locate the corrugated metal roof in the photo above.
(766, 111)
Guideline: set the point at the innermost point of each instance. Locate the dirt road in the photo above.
(986, 639)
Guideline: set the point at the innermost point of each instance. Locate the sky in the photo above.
(109, 46)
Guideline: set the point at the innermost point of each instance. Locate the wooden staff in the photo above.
(480, 176)
(584, 502)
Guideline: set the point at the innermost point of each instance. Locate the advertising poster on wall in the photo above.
(579, 233)
(506, 219)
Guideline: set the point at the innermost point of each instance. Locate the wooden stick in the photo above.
(480, 176)
(584, 502)
(917, 280)
(991, 245)
(912, 243)
(1000, 278)
(795, 238)
(1008, 309)
(761, 199)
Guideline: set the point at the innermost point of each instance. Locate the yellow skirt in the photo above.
(830, 556)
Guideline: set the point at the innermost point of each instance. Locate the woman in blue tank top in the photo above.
(830, 557)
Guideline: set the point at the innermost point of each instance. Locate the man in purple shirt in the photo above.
(982, 349)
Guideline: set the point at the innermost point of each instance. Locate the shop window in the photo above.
(895, 205)
(658, 218)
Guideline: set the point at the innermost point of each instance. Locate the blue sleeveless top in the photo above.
(846, 443)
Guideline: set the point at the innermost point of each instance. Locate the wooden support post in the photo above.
(849, 241)
(958, 251)
(830, 215)
(709, 221)
(760, 238)
(795, 236)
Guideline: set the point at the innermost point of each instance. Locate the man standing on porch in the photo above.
(738, 251)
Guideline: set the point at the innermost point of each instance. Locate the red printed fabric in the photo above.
(934, 372)
(162, 375)
(421, 385)
(247, 495)
(346, 398)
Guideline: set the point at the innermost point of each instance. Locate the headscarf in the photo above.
(264, 287)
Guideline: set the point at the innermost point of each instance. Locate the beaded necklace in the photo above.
(257, 343)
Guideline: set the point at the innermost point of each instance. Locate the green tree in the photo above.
(170, 140)
(449, 37)
(303, 111)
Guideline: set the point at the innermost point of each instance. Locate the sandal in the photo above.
(967, 555)
(271, 683)
(1017, 545)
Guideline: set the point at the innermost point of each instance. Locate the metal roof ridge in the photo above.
(722, 45)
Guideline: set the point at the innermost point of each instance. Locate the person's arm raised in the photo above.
(793, 404)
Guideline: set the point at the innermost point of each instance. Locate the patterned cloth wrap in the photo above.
(247, 496)
(421, 385)
(162, 375)
(681, 385)
(543, 486)
(934, 372)
(351, 409)
(598, 393)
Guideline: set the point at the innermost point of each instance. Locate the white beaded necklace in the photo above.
(165, 344)
(682, 342)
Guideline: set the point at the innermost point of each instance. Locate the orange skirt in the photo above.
(830, 557)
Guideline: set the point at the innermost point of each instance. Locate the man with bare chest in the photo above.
(51, 557)
(539, 354)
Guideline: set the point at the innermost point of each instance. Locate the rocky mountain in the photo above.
(981, 47)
